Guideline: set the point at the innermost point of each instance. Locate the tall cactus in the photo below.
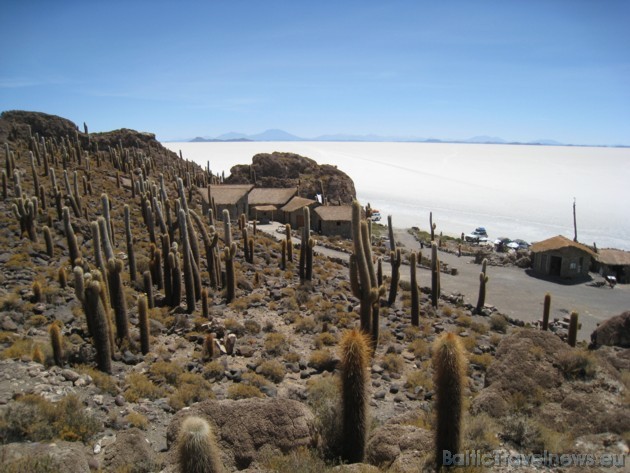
(228, 255)
(287, 233)
(396, 260)
(573, 329)
(56, 343)
(483, 280)
(546, 310)
(415, 299)
(186, 255)
(143, 318)
(306, 248)
(435, 275)
(432, 226)
(117, 298)
(107, 217)
(73, 246)
(355, 357)
(449, 373)
(94, 306)
(131, 254)
(25, 210)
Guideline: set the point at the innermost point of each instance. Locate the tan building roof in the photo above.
(265, 208)
(613, 257)
(297, 203)
(334, 212)
(226, 194)
(557, 243)
(273, 196)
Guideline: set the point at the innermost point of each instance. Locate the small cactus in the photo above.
(355, 357)
(415, 299)
(546, 311)
(197, 450)
(483, 280)
(573, 329)
(56, 343)
(449, 372)
(435, 275)
(101, 333)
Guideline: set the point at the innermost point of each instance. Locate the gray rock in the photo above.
(69, 457)
(132, 451)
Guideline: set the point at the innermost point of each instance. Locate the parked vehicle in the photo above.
(375, 216)
(479, 235)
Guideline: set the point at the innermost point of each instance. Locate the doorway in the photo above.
(555, 265)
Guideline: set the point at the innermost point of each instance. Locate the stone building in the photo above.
(561, 257)
(332, 220)
(611, 262)
(293, 212)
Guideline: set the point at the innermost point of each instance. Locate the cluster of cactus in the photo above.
(435, 275)
(25, 210)
(362, 276)
(483, 280)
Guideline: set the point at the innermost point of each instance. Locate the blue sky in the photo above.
(521, 70)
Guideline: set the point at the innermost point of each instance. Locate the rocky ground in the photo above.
(273, 400)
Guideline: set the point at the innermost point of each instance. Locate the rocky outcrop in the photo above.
(613, 332)
(14, 124)
(69, 457)
(401, 443)
(244, 427)
(131, 452)
(292, 170)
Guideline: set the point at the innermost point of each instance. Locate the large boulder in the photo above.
(243, 427)
(614, 332)
(292, 170)
(401, 443)
(69, 457)
(132, 452)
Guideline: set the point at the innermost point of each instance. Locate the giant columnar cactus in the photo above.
(25, 210)
(449, 373)
(194, 246)
(131, 255)
(48, 240)
(283, 260)
(73, 246)
(435, 275)
(546, 310)
(105, 241)
(34, 172)
(108, 220)
(230, 275)
(5, 187)
(101, 332)
(182, 194)
(168, 270)
(210, 244)
(573, 329)
(287, 232)
(143, 318)
(415, 299)
(117, 298)
(355, 357)
(396, 260)
(96, 244)
(306, 248)
(186, 255)
(432, 226)
(197, 449)
(483, 280)
(148, 288)
(390, 230)
(176, 272)
(362, 276)
(55, 342)
(246, 244)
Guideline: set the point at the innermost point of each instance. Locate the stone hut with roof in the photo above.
(333, 220)
(233, 197)
(561, 257)
(293, 212)
(265, 202)
(612, 262)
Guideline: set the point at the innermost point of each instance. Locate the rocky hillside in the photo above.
(120, 319)
(292, 170)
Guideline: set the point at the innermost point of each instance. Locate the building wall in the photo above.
(574, 262)
(331, 227)
(235, 209)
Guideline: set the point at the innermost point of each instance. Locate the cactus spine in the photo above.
(355, 356)
(573, 329)
(546, 310)
(435, 275)
(143, 317)
(449, 374)
(415, 299)
(483, 280)
(197, 450)
(55, 342)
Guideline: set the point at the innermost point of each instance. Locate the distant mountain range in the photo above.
(281, 135)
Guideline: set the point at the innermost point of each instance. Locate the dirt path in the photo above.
(511, 290)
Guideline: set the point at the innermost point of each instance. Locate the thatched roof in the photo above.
(297, 203)
(226, 194)
(335, 212)
(557, 243)
(273, 196)
(265, 208)
(612, 257)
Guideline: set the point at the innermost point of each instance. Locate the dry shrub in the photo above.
(275, 344)
(135, 419)
(498, 323)
(577, 364)
(192, 387)
(419, 347)
(243, 391)
(325, 339)
(139, 387)
(392, 362)
(272, 370)
(322, 360)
